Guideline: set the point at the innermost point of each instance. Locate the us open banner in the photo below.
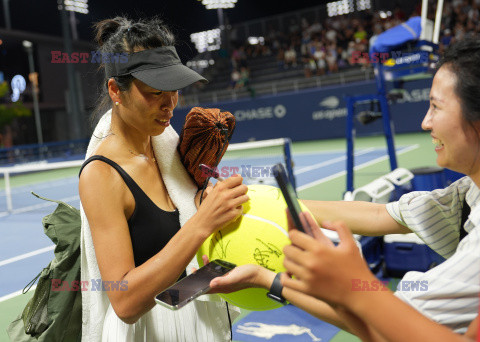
(318, 113)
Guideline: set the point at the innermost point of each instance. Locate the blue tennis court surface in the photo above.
(25, 249)
(285, 324)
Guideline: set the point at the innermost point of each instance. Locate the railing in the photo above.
(275, 87)
(52, 151)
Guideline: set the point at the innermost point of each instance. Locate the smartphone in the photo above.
(289, 194)
(193, 285)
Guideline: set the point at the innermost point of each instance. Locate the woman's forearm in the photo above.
(156, 274)
(364, 218)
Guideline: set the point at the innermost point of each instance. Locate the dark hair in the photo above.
(121, 35)
(463, 59)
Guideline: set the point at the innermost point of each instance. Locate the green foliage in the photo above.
(4, 89)
(10, 111)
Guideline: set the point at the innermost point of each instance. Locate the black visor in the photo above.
(159, 68)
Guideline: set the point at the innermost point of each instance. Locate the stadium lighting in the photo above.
(79, 6)
(256, 40)
(27, 44)
(363, 5)
(219, 5)
(206, 40)
(340, 7)
(215, 4)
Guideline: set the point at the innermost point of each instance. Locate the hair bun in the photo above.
(107, 28)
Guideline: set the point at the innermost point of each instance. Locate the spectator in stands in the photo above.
(318, 53)
(305, 42)
(235, 58)
(239, 57)
(331, 58)
(281, 58)
(290, 57)
(309, 64)
(234, 79)
(342, 58)
(447, 37)
(360, 34)
(331, 35)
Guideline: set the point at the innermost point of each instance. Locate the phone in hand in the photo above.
(289, 194)
(193, 285)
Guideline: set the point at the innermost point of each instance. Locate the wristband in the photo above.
(275, 292)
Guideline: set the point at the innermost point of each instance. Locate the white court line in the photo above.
(39, 206)
(358, 167)
(26, 255)
(16, 293)
(337, 151)
(329, 162)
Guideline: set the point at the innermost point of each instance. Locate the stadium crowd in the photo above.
(326, 47)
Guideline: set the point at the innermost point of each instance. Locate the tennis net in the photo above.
(52, 180)
(59, 180)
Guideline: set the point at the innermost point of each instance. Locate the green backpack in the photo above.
(51, 314)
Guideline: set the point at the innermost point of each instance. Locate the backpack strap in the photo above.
(51, 200)
(465, 213)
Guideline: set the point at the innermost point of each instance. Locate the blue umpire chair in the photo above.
(409, 58)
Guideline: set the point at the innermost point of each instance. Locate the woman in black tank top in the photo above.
(134, 224)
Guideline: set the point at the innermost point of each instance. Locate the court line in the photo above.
(358, 167)
(335, 151)
(329, 162)
(16, 293)
(26, 255)
(38, 206)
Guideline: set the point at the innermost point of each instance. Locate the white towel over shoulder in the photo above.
(203, 320)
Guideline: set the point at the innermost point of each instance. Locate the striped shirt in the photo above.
(454, 285)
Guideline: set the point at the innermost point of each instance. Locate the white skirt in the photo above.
(202, 321)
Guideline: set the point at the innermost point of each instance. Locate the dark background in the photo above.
(183, 16)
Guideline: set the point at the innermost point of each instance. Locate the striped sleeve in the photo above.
(434, 216)
(451, 293)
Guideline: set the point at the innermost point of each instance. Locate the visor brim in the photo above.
(169, 78)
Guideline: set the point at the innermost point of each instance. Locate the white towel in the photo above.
(181, 190)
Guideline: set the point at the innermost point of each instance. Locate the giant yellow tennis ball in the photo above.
(257, 237)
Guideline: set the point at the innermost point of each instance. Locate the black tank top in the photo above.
(150, 227)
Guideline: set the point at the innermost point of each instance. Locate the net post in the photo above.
(287, 147)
